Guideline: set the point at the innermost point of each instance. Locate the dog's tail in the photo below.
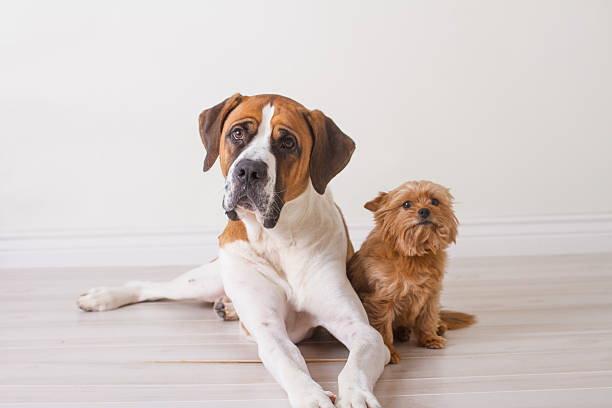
(456, 320)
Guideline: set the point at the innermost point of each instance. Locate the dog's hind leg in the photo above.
(202, 283)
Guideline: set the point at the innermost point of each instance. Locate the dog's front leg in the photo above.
(381, 316)
(263, 309)
(343, 315)
(428, 326)
(284, 361)
(367, 358)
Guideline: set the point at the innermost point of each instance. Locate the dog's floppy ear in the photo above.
(211, 123)
(331, 149)
(375, 204)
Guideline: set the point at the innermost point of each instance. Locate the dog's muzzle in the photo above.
(248, 189)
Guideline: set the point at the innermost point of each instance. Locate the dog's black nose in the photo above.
(424, 212)
(251, 171)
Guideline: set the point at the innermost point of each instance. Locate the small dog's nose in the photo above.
(424, 212)
(251, 171)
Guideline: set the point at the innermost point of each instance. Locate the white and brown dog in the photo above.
(282, 257)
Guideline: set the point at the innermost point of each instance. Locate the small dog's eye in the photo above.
(238, 133)
(407, 204)
(435, 201)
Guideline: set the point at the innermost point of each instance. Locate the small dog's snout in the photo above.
(251, 171)
(424, 212)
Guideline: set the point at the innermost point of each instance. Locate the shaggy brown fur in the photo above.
(399, 269)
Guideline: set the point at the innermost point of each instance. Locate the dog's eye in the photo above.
(435, 201)
(288, 142)
(238, 133)
(407, 204)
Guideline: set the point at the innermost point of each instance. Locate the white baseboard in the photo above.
(549, 235)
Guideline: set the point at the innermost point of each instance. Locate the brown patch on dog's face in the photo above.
(416, 218)
(298, 145)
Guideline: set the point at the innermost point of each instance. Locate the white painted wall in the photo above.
(509, 103)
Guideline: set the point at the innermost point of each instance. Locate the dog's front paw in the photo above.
(356, 397)
(395, 356)
(225, 309)
(433, 342)
(315, 398)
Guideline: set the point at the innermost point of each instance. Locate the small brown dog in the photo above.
(399, 269)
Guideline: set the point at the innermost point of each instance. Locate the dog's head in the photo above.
(270, 148)
(416, 218)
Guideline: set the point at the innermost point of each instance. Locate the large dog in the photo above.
(282, 257)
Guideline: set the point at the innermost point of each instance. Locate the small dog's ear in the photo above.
(449, 196)
(453, 222)
(331, 149)
(211, 123)
(375, 204)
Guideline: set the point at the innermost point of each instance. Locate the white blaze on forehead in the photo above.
(259, 147)
(265, 127)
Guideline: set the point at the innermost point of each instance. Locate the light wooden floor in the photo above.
(544, 339)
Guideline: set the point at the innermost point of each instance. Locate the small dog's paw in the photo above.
(395, 356)
(401, 334)
(433, 342)
(442, 328)
(354, 397)
(225, 309)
